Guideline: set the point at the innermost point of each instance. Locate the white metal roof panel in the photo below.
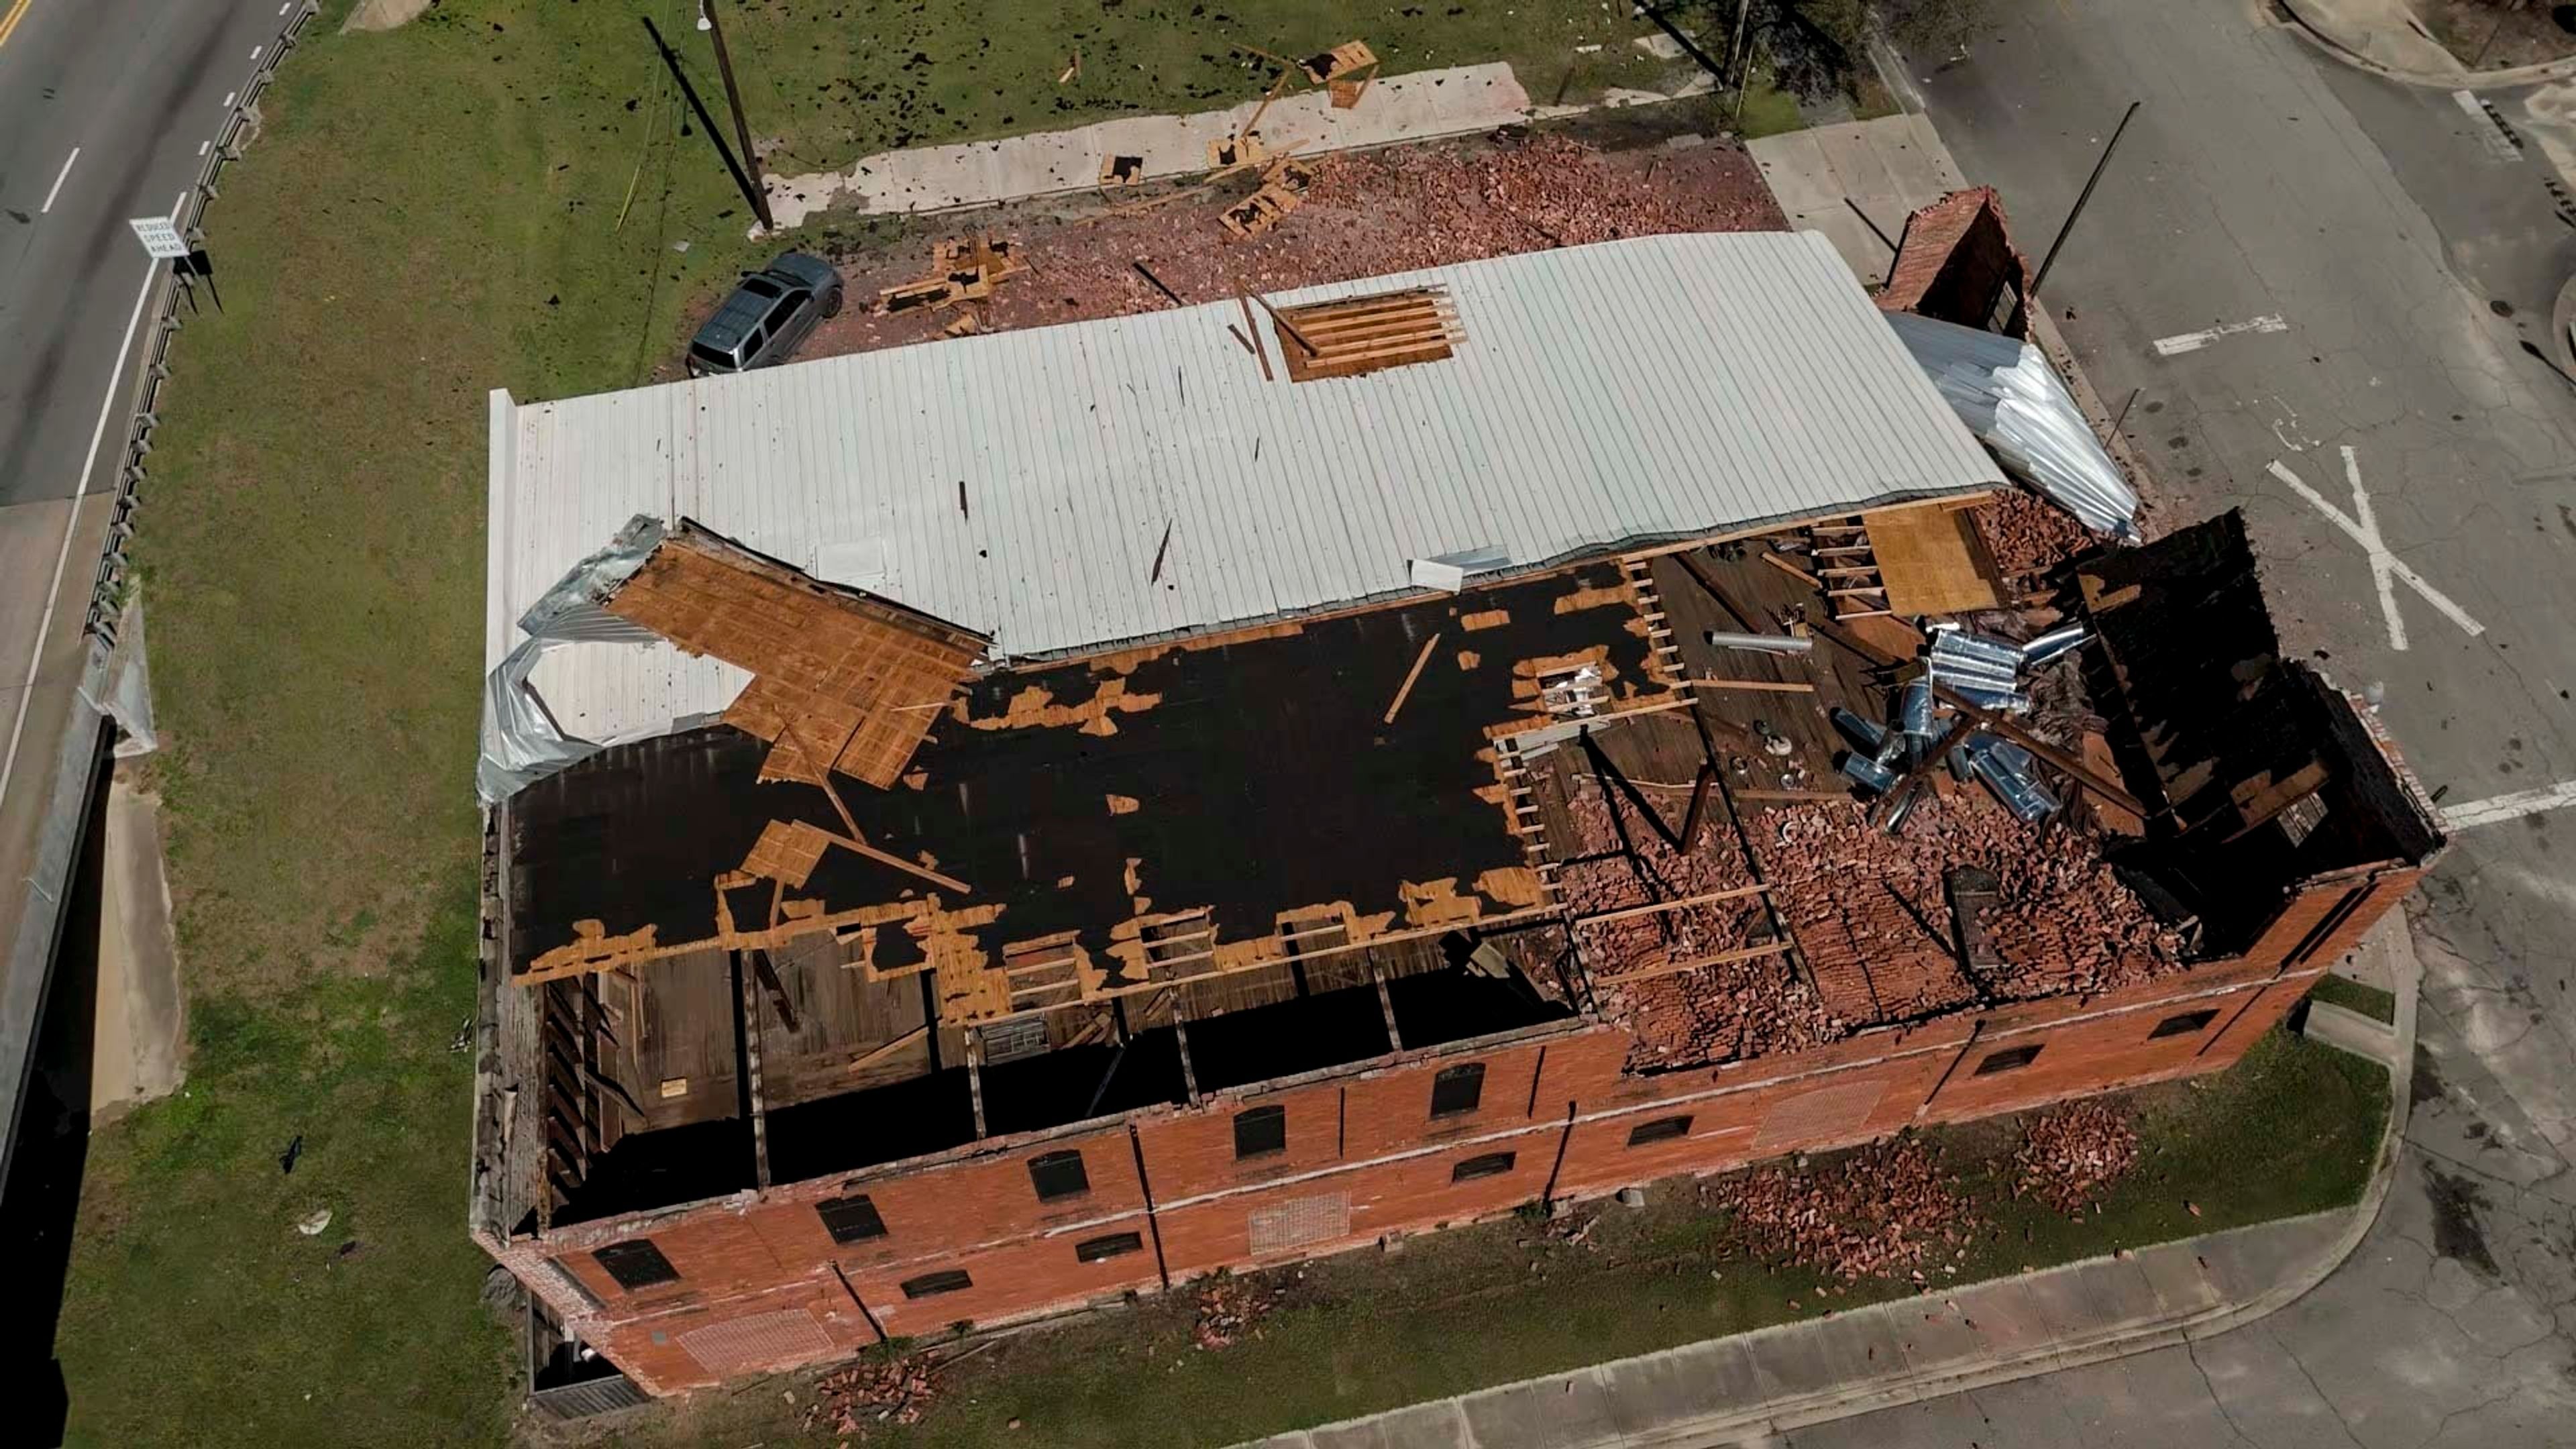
(1657, 388)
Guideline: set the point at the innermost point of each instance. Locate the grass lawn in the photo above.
(831, 81)
(1490, 1304)
(2377, 1003)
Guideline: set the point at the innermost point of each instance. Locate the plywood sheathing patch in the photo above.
(1597, 597)
(1932, 560)
(1484, 619)
(1122, 804)
(1469, 658)
(1035, 708)
(830, 664)
(787, 852)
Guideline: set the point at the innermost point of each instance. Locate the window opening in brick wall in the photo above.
(850, 1219)
(2302, 817)
(930, 1285)
(2187, 1024)
(2010, 1059)
(1260, 1131)
(1457, 1089)
(1662, 1129)
(1057, 1175)
(1092, 1250)
(1491, 1164)
(636, 1265)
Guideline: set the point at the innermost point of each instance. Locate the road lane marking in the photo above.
(9, 22)
(255, 52)
(229, 98)
(71, 519)
(2510, 807)
(58, 182)
(204, 146)
(2387, 571)
(2490, 131)
(2176, 346)
(289, 5)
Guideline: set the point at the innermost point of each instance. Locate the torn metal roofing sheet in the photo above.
(1026, 484)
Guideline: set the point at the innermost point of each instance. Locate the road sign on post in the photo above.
(160, 236)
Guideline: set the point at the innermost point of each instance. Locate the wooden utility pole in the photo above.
(752, 195)
(733, 99)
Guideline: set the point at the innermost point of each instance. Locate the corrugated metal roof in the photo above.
(1650, 389)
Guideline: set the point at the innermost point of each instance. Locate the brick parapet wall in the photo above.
(1365, 1162)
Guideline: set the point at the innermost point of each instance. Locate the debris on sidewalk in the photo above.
(2070, 1154)
(852, 1400)
(1886, 1210)
(1231, 1309)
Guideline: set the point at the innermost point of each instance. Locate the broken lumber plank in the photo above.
(1996, 724)
(1147, 273)
(1771, 686)
(1790, 795)
(1285, 325)
(1414, 673)
(912, 867)
(1674, 968)
(1777, 562)
(1654, 907)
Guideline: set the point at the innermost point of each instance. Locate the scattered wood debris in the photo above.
(853, 1400)
(1231, 1309)
(2069, 1154)
(1283, 189)
(1121, 170)
(1885, 1211)
(961, 271)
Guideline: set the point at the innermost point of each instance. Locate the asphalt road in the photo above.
(104, 108)
(2407, 249)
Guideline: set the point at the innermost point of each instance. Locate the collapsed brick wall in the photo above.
(763, 1286)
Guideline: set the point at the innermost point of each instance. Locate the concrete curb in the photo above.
(2324, 38)
(2122, 1339)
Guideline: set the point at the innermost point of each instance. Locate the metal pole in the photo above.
(2082, 197)
(1735, 48)
(715, 138)
(733, 99)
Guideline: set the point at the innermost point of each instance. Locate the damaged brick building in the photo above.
(998, 826)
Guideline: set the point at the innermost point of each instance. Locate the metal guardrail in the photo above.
(107, 592)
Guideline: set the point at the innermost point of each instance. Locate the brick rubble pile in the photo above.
(1231, 1309)
(2027, 534)
(1367, 214)
(1885, 1211)
(2069, 1154)
(2061, 922)
(852, 1400)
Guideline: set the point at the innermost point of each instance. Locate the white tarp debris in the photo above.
(2009, 396)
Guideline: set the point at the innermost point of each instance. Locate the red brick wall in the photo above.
(1365, 1160)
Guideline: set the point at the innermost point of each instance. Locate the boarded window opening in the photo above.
(2010, 1059)
(1260, 1131)
(928, 1285)
(1457, 1089)
(1092, 1250)
(2189, 1023)
(1491, 1164)
(1662, 1129)
(1058, 1175)
(636, 1265)
(1365, 334)
(850, 1219)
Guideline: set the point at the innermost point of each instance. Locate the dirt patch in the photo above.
(2501, 34)
(1367, 214)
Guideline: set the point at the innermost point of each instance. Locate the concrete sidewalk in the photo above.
(2385, 33)
(1416, 106)
(1775, 1380)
